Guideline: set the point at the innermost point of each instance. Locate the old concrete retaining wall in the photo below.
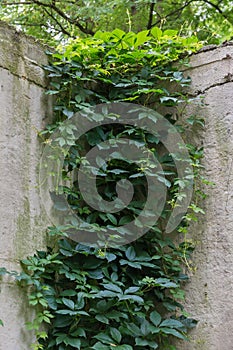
(210, 292)
(24, 109)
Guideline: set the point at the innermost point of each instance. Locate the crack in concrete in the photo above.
(24, 77)
(191, 68)
(202, 92)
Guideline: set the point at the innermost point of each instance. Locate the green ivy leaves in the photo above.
(97, 301)
(117, 299)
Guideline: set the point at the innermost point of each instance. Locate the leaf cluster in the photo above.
(119, 66)
(128, 297)
(107, 299)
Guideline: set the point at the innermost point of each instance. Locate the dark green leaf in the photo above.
(113, 287)
(102, 319)
(173, 332)
(69, 303)
(155, 318)
(100, 346)
(116, 335)
(172, 323)
(130, 253)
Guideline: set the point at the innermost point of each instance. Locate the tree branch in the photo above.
(149, 24)
(65, 16)
(217, 8)
(213, 5)
(180, 9)
(63, 30)
(6, 3)
(187, 3)
(52, 5)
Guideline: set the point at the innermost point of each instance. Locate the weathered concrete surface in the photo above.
(23, 110)
(210, 292)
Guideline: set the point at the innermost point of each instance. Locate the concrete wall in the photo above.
(23, 110)
(210, 292)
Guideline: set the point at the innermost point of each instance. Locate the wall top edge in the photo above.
(22, 55)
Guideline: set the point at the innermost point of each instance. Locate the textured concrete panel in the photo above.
(23, 110)
(210, 291)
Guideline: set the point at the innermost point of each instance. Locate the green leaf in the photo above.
(173, 332)
(102, 306)
(156, 32)
(145, 327)
(69, 303)
(132, 297)
(141, 37)
(68, 293)
(168, 99)
(68, 113)
(110, 257)
(52, 92)
(116, 335)
(189, 323)
(4, 271)
(137, 175)
(100, 346)
(118, 33)
(116, 315)
(155, 318)
(130, 253)
(66, 252)
(165, 283)
(112, 218)
(170, 32)
(106, 294)
(92, 263)
(172, 323)
(75, 342)
(117, 171)
(121, 347)
(141, 342)
(133, 329)
(52, 302)
(62, 321)
(72, 313)
(131, 290)
(97, 274)
(66, 312)
(80, 332)
(61, 338)
(125, 220)
(102, 319)
(113, 287)
(104, 338)
(136, 265)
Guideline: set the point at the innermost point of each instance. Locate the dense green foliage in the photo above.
(55, 20)
(128, 297)
(118, 66)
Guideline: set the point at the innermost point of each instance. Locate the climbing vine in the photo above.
(127, 297)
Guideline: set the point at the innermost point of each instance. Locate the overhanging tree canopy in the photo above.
(52, 20)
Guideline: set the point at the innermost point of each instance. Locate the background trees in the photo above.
(53, 20)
